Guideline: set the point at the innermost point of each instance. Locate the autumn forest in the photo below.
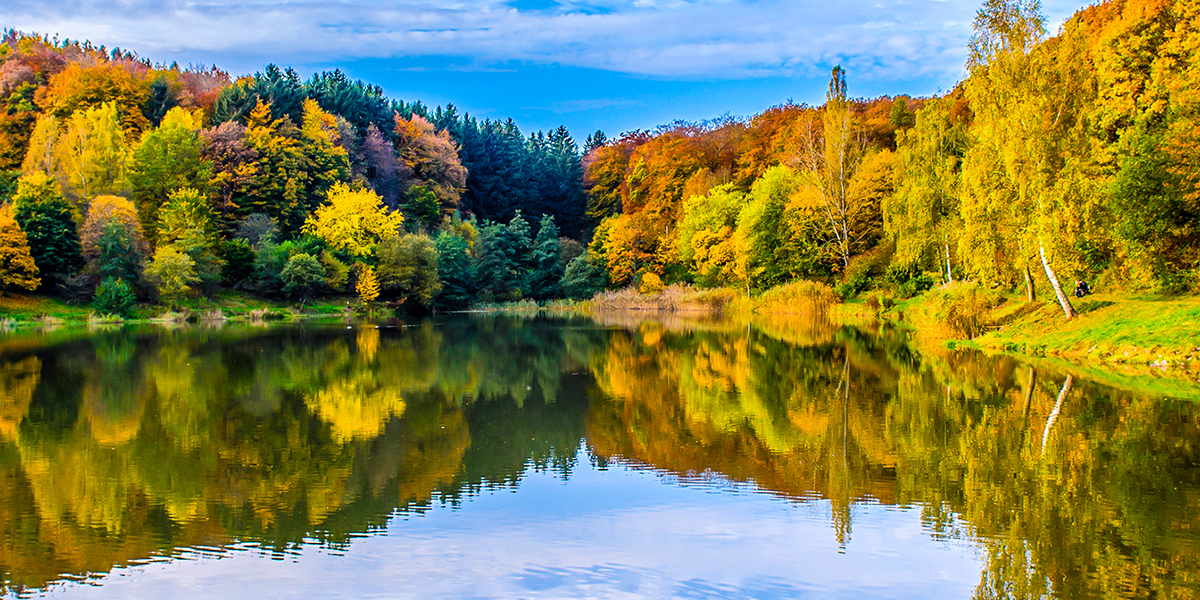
(1059, 157)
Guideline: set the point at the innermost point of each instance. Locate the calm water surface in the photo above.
(499, 457)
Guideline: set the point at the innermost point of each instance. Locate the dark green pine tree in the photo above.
(594, 141)
(456, 271)
(544, 278)
(567, 167)
(541, 199)
(521, 242)
(53, 238)
(360, 103)
(282, 89)
(497, 273)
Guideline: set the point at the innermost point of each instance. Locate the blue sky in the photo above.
(614, 65)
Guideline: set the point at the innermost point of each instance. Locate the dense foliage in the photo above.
(178, 181)
(1058, 157)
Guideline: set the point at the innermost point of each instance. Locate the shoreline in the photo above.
(1142, 344)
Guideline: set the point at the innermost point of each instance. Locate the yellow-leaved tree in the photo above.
(86, 151)
(353, 220)
(368, 284)
(17, 269)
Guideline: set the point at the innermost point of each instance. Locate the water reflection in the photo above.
(121, 446)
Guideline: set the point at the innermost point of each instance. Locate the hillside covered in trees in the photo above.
(125, 179)
(1062, 157)
(1057, 158)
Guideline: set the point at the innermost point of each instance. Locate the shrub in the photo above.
(965, 309)
(799, 297)
(302, 275)
(650, 284)
(114, 297)
(907, 280)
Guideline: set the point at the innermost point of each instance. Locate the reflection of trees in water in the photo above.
(1073, 490)
(122, 446)
(795, 418)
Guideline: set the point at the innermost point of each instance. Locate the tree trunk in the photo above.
(1028, 402)
(1029, 293)
(1068, 310)
(1062, 395)
(949, 273)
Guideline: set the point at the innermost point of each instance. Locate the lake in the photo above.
(491, 456)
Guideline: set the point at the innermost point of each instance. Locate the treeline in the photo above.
(124, 178)
(1058, 158)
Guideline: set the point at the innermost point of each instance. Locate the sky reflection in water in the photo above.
(615, 533)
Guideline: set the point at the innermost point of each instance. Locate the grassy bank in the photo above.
(34, 310)
(1117, 334)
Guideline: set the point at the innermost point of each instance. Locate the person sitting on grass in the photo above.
(1082, 289)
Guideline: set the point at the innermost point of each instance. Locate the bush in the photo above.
(302, 275)
(907, 280)
(650, 284)
(114, 297)
(799, 297)
(965, 309)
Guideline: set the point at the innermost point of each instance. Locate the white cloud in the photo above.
(703, 39)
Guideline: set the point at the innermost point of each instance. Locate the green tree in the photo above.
(408, 270)
(47, 219)
(237, 256)
(302, 275)
(545, 277)
(114, 297)
(172, 273)
(421, 208)
(168, 158)
(922, 217)
(269, 261)
(775, 243)
(583, 278)
(116, 254)
(187, 222)
(496, 263)
(456, 271)
(337, 273)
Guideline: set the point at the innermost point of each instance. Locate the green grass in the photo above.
(47, 310)
(1123, 336)
(31, 308)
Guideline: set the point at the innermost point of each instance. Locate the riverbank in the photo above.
(1122, 335)
(1118, 336)
(35, 310)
